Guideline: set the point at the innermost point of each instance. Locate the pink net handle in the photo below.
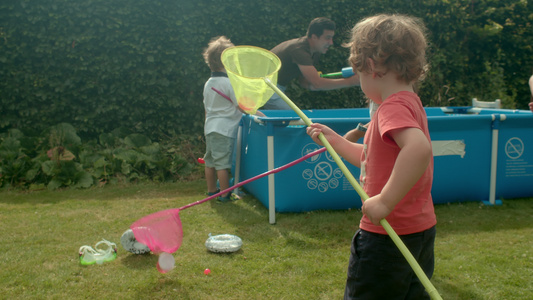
(276, 170)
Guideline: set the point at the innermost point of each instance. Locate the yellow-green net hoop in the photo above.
(247, 68)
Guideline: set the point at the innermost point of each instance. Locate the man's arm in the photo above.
(317, 83)
(531, 85)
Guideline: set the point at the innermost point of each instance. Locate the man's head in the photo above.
(320, 34)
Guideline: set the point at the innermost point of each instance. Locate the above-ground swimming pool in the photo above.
(480, 155)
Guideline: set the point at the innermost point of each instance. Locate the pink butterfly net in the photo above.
(162, 231)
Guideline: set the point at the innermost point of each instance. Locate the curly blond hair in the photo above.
(394, 42)
(214, 50)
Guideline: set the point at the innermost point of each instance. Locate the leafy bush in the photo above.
(65, 162)
(19, 161)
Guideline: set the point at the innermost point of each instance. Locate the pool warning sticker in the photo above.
(514, 148)
(516, 165)
(322, 174)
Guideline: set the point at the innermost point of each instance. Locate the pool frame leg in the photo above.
(494, 160)
(271, 182)
(236, 176)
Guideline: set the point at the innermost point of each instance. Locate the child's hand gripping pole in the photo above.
(395, 238)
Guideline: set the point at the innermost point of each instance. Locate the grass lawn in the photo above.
(481, 252)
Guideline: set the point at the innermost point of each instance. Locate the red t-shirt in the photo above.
(414, 213)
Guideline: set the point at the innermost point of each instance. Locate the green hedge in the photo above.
(59, 158)
(102, 64)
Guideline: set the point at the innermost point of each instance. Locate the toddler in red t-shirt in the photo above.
(396, 160)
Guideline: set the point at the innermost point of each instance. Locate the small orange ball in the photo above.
(246, 103)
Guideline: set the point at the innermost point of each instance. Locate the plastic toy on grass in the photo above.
(165, 263)
(89, 255)
(223, 243)
(130, 244)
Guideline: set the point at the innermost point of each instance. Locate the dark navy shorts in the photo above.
(378, 270)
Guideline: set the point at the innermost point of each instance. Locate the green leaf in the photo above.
(83, 180)
(54, 184)
(137, 140)
(49, 167)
